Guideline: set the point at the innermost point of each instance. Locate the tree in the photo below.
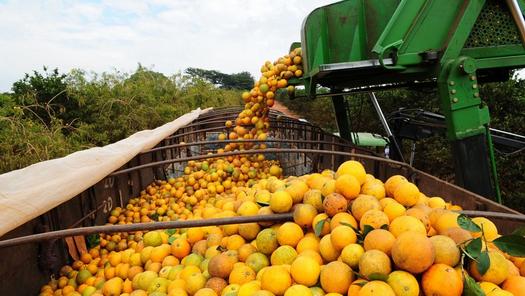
(44, 95)
(241, 81)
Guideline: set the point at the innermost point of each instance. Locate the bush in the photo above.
(50, 115)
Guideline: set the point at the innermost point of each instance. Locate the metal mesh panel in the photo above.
(493, 27)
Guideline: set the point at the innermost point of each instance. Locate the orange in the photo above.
(289, 234)
(342, 236)
(379, 239)
(313, 254)
(392, 183)
(276, 279)
(374, 288)
(403, 283)
(355, 287)
(421, 213)
(220, 266)
(281, 202)
(364, 203)
(374, 262)
(515, 285)
(249, 231)
(159, 253)
(446, 250)
(327, 249)
(351, 255)
(316, 181)
(297, 189)
(406, 194)
(374, 188)
(459, 235)
(413, 252)
(394, 210)
(283, 255)
(336, 277)
(314, 198)
(308, 242)
(249, 288)
(345, 218)
(304, 214)
(335, 203)
(436, 202)
(298, 290)
(328, 187)
(180, 248)
(445, 221)
(205, 292)
(348, 186)
(195, 234)
(318, 219)
(353, 168)
(406, 223)
(248, 208)
(216, 284)
(305, 271)
(267, 241)
(441, 279)
(112, 286)
(374, 218)
(257, 261)
(195, 282)
(241, 274)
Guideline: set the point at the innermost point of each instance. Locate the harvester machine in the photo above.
(452, 46)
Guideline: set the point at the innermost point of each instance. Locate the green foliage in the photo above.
(240, 81)
(50, 115)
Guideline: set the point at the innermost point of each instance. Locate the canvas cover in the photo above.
(56, 181)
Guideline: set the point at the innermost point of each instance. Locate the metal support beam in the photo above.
(341, 117)
(467, 120)
(397, 153)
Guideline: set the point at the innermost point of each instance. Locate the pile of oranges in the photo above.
(351, 234)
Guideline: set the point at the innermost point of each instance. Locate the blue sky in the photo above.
(167, 35)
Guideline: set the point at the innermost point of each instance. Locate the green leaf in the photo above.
(471, 288)
(351, 226)
(376, 276)
(483, 262)
(171, 239)
(467, 224)
(263, 204)
(171, 232)
(92, 240)
(519, 231)
(319, 227)
(367, 230)
(513, 245)
(473, 249)
(360, 284)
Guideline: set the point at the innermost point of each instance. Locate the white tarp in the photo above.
(32, 191)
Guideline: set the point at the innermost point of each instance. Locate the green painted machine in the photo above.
(453, 45)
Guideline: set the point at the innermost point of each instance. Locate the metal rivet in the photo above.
(476, 95)
(451, 83)
(453, 91)
(474, 86)
(455, 100)
(472, 77)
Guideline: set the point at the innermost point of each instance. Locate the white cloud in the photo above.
(101, 35)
